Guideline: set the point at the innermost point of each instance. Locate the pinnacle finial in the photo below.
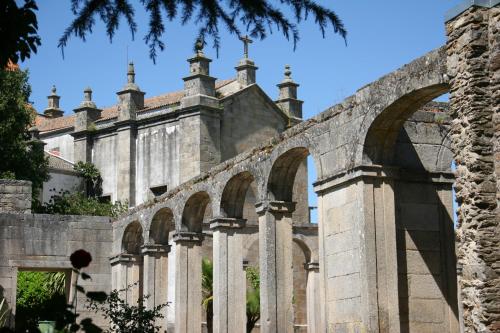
(198, 46)
(131, 73)
(288, 72)
(87, 93)
(53, 90)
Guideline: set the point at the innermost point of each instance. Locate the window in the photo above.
(159, 190)
(105, 198)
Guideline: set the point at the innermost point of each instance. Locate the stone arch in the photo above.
(384, 130)
(194, 212)
(233, 195)
(132, 238)
(162, 224)
(282, 175)
(307, 247)
(419, 200)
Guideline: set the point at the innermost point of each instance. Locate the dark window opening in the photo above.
(105, 199)
(159, 190)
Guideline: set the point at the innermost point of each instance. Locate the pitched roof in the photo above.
(58, 163)
(45, 124)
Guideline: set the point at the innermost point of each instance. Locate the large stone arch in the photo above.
(161, 227)
(234, 193)
(399, 95)
(406, 173)
(194, 211)
(132, 238)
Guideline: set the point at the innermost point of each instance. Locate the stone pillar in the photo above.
(313, 298)
(474, 71)
(199, 120)
(358, 254)
(126, 153)
(131, 100)
(229, 280)
(246, 71)
(127, 273)
(188, 282)
(155, 280)
(85, 116)
(155, 262)
(275, 264)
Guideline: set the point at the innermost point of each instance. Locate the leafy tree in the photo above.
(257, 17)
(40, 296)
(91, 176)
(22, 158)
(18, 31)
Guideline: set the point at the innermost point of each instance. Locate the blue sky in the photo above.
(382, 36)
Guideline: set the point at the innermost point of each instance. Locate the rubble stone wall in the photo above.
(473, 68)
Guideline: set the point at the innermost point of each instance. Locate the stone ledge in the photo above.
(222, 223)
(466, 4)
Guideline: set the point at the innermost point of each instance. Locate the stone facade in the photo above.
(382, 257)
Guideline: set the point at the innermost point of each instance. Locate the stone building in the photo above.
(144, 147)
(382, 258)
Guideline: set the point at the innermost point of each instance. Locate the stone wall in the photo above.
(44, 243)
(15, 196)
(473, 68)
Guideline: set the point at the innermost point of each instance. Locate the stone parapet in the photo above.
(15, 196)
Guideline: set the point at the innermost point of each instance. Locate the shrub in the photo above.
(78, 204)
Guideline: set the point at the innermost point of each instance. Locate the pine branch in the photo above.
(257, 17)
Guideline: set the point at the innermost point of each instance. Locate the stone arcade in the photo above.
(383, 259)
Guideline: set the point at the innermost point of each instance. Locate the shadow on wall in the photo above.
(425, 244)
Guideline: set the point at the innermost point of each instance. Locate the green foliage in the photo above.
(127, 318)
(40, 296)
(207, 283)
(257, 17)
(253, 294)
(253, 297)
(66, 203)
(91, 176)
(18, 31)
(22, 158)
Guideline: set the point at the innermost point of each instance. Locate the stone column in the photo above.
(127, 272)
(126, 150)
(155, 262)
(474, 71)
(228, 276)
(155, 280)
(276, 269)
(359, 281)
(312, 295)
(85, 116)
(188, 282)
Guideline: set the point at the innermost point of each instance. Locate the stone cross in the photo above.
(246, 40)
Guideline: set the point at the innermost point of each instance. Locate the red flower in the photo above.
(80, 259)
